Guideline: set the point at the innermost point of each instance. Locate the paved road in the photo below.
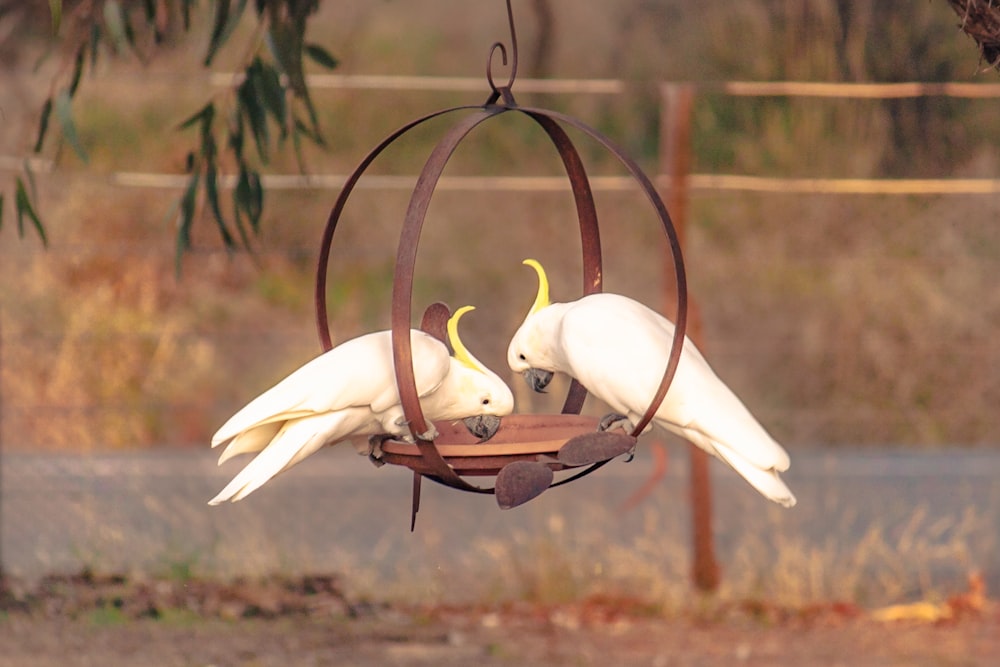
(879, 521)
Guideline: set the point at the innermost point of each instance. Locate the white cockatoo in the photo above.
(618, 349)
(349, 394)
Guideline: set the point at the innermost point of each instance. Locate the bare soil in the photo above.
(111, 621)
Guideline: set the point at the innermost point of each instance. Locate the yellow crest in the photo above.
(542, 300)
(461, 352)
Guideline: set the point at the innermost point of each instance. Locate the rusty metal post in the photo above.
(676, 103)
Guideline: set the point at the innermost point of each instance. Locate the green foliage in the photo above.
(25, 209)
(55, 8)
(269, 100)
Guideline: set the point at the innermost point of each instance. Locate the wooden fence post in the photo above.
(676, 103)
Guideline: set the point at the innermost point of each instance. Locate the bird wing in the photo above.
(294, 441)
(697, 401)
(358, 372)
(431, 364)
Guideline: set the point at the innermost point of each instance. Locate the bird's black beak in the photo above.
(483, 427)
(538, 379)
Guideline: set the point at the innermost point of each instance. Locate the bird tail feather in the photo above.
(289, 446)
(766, 481)
(254, 440)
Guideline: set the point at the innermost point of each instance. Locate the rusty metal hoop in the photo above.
(430, 462)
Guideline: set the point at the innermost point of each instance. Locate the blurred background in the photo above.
(858, 327)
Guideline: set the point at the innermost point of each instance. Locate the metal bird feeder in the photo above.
(528, 448)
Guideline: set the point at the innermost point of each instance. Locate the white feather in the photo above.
(350, 393)
(618, 349)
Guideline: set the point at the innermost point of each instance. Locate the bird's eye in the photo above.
(486, 401)
(522, 357)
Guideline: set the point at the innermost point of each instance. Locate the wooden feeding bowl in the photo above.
(521, 437)
(527, 449)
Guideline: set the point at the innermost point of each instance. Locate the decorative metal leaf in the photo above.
(595, 447)
(64, 114)
(520, 481)
(320, 56)
(43, 124)
(26, 210)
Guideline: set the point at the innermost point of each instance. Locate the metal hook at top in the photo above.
(504, 90)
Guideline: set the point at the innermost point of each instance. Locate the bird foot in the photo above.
(375, 448)
(407, 437)
(614, 420)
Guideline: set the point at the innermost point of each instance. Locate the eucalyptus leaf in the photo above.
(225, 21)
(114, 21)
(241, 227)
(266, 82)
(95, 41)
(64, 114)
(212, 194)
(186, 213)
(74, 82)
(256, 116)
(24, 208)
(207, 111)
(43, 124)
(186, 6)
(320, 56)
(249, 195)
(236, 136)
(55, 8)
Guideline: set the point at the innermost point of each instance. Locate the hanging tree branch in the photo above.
(269, 100)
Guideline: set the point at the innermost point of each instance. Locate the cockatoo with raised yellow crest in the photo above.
(349, 394)
(618, 349)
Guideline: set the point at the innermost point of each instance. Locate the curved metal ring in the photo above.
(406, 259)
(680, 322)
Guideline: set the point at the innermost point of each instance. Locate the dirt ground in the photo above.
(489, 639)
(113, 622)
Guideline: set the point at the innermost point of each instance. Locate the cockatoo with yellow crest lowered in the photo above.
(349, 394)
(618, 349)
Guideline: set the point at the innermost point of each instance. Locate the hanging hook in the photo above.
(503, 55)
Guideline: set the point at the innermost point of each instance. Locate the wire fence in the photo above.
(60, 511)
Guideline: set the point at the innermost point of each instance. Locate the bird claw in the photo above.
(429, 434)
(375, 448)
(407, 437)
(614, 420)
